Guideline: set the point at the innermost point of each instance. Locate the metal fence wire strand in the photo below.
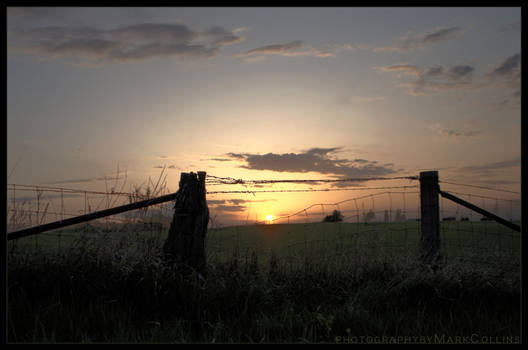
(381, 223)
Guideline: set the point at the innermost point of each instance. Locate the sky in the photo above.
(263, 93)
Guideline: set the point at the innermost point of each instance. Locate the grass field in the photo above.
(315, 282)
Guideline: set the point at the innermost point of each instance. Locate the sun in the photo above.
(269, 218)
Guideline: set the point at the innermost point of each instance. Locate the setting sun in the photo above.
(269, 218)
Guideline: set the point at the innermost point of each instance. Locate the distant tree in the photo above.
(335, 217)
(387, 219)
(399, 216)
(370, 216)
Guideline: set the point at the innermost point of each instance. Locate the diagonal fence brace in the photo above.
(480, 211)
(87, 217)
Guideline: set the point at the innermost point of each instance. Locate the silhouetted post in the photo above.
(186, 239)
(430, 220)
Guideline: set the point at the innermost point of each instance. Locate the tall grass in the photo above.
(100, 292)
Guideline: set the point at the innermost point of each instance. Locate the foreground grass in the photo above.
(94, 293)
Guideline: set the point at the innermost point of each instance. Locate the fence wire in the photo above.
(378, 224)
(470, 238)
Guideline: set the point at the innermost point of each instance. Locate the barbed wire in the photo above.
(20, 187)
(310, 190)
(481, 187)
(232, 181)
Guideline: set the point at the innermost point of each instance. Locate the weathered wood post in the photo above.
(186, 239)
(430, 220)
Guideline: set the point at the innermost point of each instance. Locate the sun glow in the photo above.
(269, 218)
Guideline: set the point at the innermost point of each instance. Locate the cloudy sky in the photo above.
(255, 93)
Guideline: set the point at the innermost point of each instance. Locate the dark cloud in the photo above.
(320, 160)
(124, 44)
(432, 79)
(412, 42)
(459, 72)
(221, 159)
(153, 32)
(293, 49)
(215, 201)
(506, 75)
(434, 71)
(439, 35)
(288, 49)
(508, 68)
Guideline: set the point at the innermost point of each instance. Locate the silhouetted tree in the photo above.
(335, 217)
(370, 216)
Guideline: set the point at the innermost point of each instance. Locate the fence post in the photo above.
(186, 239)
(430, 220)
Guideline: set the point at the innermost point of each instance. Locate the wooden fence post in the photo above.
(186, 239)
(430, 220)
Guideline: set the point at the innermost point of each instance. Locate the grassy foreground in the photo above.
(98, 292)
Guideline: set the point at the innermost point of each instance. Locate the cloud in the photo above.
(215, 201)
(509, 163)
(320, 160)
(292, 49)
(405, 69)
(410, 42)
(454, 134)
(288, 49)
(349, 99)
(439, 35)
(433, 79)
(235, 201)
(131, 43)
(507, 70)
(230, 208)
(438, 78)
(220, 159)
(483, 172)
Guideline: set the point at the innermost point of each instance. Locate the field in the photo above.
(312, 282)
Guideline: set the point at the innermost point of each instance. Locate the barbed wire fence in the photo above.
(474, 239)
(32, 205)
(376, 222)
(383, 225)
